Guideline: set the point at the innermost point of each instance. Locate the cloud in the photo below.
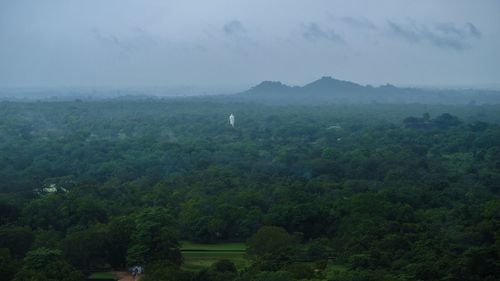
(134, 40)
(469, 30)
(451, 30)
(360, 23)
(314, 32)
(409, 34)
(105, 38)
(473, 31)
(233, 27)
(443, 35)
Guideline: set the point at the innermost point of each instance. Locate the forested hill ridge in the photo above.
(331, 90)
(326, 90)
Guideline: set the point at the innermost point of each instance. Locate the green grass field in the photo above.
(198, 256)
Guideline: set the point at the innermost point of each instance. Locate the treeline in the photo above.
(383, 195)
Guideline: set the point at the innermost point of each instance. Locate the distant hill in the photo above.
(331, 90)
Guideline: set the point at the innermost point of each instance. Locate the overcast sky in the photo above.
(230, 43)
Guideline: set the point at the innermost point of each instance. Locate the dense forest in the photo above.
(331, 192)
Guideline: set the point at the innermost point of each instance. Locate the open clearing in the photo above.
(200, 255)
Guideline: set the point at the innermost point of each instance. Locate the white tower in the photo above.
(231, 120)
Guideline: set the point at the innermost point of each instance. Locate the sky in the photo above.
(228, 43)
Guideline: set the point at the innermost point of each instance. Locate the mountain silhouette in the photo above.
(331, 90)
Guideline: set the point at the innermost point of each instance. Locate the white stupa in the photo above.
(231, 120)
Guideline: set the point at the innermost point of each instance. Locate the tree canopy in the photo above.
(331, 192)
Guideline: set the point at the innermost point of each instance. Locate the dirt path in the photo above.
(125, 276)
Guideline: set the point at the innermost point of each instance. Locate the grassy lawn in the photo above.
(102, 275)
(198, 256)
